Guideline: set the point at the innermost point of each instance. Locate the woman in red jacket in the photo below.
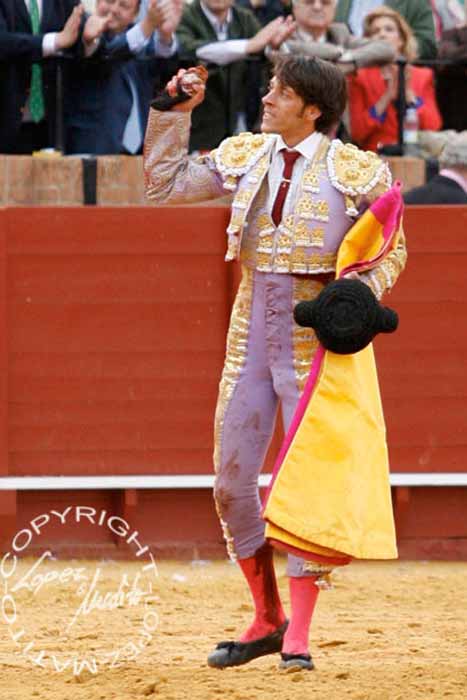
(374, 91)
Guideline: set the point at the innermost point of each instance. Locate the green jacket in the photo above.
(418, 15)
(226, 90)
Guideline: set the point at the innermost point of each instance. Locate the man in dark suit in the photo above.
(111, 90)
(224, 37)
(31, 31)
(450, 185)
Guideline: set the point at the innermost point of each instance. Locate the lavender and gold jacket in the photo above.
(337, 185)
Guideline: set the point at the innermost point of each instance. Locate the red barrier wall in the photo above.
(423, 379)
(113, 325)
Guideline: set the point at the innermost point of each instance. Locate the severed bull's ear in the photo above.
(163, 101)
(346, 316)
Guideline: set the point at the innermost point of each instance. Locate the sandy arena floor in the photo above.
(385, 632)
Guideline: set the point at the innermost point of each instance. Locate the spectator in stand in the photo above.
(447, 14)
(318, 35)
(257, 72)
(30, 32)
(452, 78)
(450, 185)
(417, 14)
(373, 92)
(223, 36)
(111, 90)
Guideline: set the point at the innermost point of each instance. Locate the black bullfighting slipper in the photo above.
(296, 662)
(237, 653)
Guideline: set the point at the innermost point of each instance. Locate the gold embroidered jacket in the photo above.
(336, 185)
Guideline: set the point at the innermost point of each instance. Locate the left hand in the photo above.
(94, 27)
(69, 34)
(269, 35)
(163, 15)
(284, 30)
(170, 14)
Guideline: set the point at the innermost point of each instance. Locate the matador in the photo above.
(305, 209)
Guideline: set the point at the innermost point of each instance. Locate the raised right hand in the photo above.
(69, 34)
(197, 87)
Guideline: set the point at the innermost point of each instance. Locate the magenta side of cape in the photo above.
(387, 209)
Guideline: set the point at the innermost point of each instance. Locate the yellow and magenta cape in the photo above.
(329, 499)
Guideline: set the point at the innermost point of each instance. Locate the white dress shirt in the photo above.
(307, 149)
(137, 41)
(456, 176)
(223, 51)
(48, 41)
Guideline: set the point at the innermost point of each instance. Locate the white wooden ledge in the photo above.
(191, 481)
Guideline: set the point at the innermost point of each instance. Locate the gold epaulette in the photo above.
(355, 172)
(237, 154)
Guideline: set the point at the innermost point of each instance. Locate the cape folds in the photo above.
(329, 497)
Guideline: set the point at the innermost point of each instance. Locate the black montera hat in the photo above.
(346, 316)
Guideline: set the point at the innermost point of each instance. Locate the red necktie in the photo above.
(289, 160)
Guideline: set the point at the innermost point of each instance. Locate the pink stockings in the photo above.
(303, 596)
(259, 573)
(269, 615)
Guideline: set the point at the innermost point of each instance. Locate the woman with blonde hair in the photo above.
(374, 92)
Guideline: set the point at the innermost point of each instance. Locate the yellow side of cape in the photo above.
(332, 490)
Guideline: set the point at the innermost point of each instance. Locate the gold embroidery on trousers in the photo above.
(304, 341)
(321, 571)
(237, 343)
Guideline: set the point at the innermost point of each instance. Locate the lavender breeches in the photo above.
(267, 361)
